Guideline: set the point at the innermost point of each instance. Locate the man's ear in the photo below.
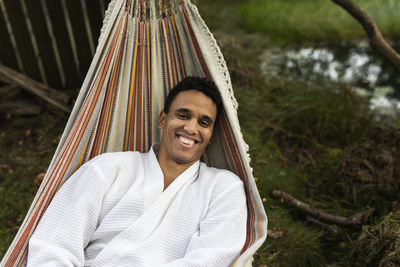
(161, 119)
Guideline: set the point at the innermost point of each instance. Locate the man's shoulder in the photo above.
(115, 158)
(113, 166)
(221, 183)
(220, 175)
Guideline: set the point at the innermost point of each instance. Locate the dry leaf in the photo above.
(275, 233)
(39, 178)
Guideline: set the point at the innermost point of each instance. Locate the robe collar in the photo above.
(156, 172)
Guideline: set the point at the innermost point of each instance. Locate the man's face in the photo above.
(188, 126)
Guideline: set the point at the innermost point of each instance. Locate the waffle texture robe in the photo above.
(113, 211)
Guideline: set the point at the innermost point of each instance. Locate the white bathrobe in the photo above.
(114, 212)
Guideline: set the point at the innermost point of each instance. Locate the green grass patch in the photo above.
(28, 145)
(294, 21)
(297, 244)
(297, 133)
(293, 242)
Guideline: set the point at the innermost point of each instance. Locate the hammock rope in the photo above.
(145, 48)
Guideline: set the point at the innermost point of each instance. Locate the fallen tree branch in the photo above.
(353, 221)
(330, 228)
(375, 36)
(52, 96)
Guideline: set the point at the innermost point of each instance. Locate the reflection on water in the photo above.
(355, 64)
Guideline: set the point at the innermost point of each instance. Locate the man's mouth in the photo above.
(186, 142)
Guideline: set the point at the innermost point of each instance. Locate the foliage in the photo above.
(305, 120)
(294, 21)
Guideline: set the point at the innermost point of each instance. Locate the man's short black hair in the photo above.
(198, 84)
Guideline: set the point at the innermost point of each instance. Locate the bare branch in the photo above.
(375, 37)
(354, 221)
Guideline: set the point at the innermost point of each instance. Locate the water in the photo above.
(353, 63)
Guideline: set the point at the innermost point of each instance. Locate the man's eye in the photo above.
(182, 116)
(204, 124)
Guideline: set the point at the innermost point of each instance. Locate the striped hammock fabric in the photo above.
(145, 48)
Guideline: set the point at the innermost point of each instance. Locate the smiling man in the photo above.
(187, 121)
(161, 208)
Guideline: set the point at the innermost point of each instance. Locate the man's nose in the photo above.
(191, 126)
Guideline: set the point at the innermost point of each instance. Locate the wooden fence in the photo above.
(51, 41)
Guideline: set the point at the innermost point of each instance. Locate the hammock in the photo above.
(144, 49)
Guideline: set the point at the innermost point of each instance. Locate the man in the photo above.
(161, 208)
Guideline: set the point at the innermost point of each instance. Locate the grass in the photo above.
(28, 144)
(297, 151)
(297, 133)
(296, 243)
(379, 245)
(305, 21)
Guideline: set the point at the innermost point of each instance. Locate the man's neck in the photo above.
(170, 168)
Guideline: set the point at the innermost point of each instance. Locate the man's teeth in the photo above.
(186, 141)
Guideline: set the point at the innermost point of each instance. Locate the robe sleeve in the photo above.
(221, 234)
(68, 223)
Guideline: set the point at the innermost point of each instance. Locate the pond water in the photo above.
(354, 63)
